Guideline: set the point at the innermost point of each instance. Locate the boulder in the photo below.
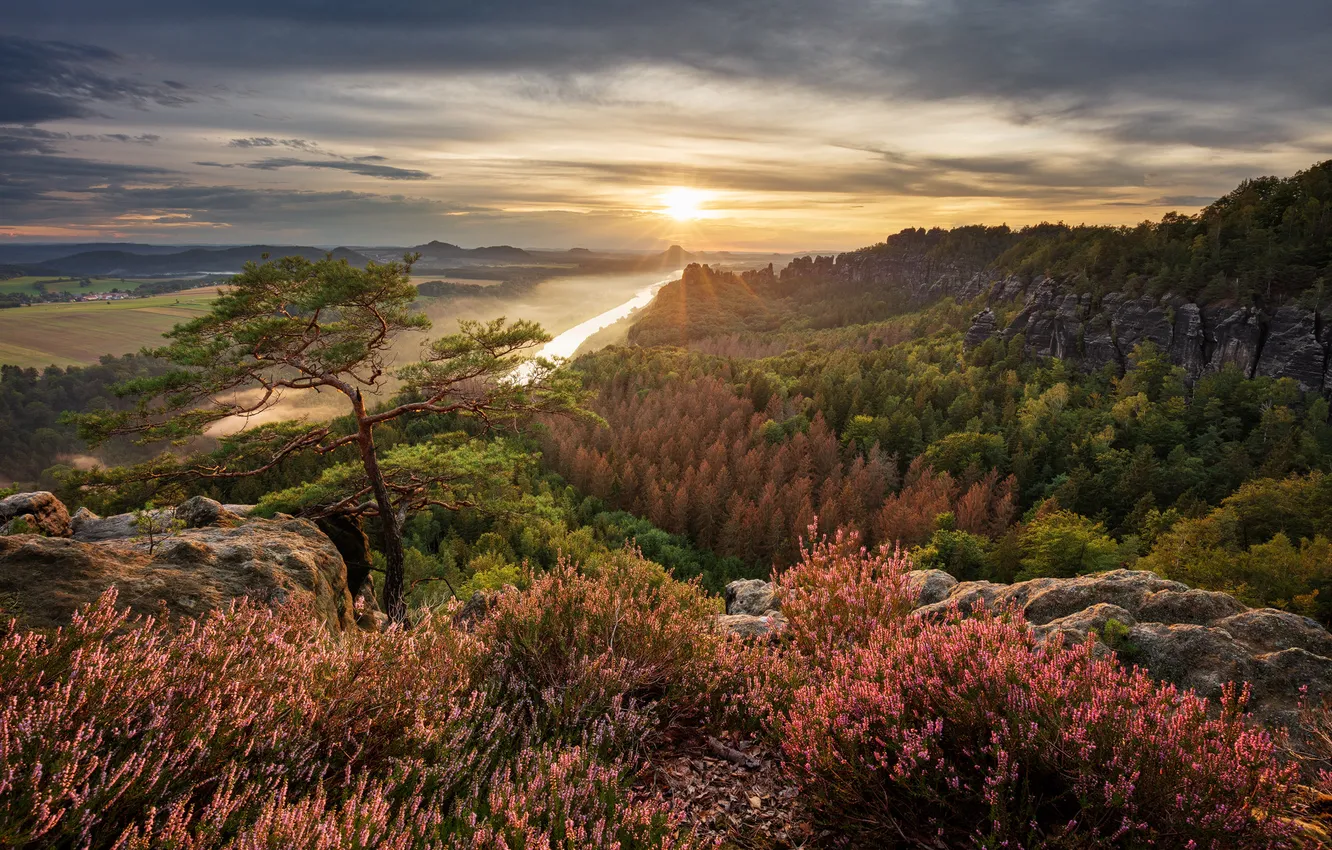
(1198, 607)
(475, 608)
(1276, 631)
(1193, 656)
(201, 512)
(1194, 638)
(88, 527)
(41, 511)
(1077, 626)
(190, 572)
(750, 596)
(1129, 589)
(753, 626)
(930, 586)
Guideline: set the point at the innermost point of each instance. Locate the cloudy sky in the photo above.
(746, 124)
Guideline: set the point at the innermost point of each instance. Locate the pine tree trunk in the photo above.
(395, 602)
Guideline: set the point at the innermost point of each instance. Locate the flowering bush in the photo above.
(253, 729)
(841, 592)
(594, 651)
(962, 731)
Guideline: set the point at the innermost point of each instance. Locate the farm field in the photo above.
(78, 334)
(64, 284)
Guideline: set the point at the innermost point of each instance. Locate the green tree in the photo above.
(1062, 544)
(291, 326)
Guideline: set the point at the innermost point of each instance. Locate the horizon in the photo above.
(758, 128)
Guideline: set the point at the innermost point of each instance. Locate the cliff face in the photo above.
(1282, 342)
(1288, 342)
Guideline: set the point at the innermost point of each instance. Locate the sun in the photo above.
(684, 204)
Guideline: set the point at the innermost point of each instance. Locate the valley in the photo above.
(1071, 457)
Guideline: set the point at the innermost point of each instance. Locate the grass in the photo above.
(80, 333)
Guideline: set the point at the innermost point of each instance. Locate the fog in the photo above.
(558, 305)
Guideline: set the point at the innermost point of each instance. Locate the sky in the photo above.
(743, 125)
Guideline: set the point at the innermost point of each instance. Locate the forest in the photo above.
(752, 408)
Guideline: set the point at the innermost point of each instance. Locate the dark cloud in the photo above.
(385, 172)
(38, 140)
(266, 142)
(50, 80)
(43, 189)
(365, 165)
(357, 167)
(1021, 50)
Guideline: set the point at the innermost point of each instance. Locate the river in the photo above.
(564, 345)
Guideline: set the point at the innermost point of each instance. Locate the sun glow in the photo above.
(683, 204)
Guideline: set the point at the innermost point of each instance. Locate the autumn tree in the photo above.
(293, 326)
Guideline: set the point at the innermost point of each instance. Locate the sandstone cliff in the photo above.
(1092, 332)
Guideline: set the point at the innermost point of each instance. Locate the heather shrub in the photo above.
(252, 728)
(544, 799)
(612, 650)
(962, 732)
(841, 592)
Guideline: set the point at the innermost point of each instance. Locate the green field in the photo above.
(80, 333)
(65, 284)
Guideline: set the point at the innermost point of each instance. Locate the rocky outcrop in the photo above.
(1194, 638)
(41, 512)
(749, 596)
(44, 580)
(1292, 348)
(201, 512)
(983, 326)
(1288, 342)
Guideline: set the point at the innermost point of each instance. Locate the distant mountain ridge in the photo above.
(436, 250)
(36, 254)
(126, 263)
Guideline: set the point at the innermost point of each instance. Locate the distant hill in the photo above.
(31, 253)
(437, 250)
(673, 257)
(129, 264)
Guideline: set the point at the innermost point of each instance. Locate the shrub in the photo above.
(962, 732)
(603, 646)
(250, 728)
(841, 592)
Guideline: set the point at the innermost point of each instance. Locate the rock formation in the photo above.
(1284, 341)
(1288, 342)
(1194, 638)
(45, 579)
(41, 512)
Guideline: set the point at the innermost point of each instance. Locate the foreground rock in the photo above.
(42, 512)
(1194, 638)
(44, 580)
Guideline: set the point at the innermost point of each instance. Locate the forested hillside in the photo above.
(841, 388)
